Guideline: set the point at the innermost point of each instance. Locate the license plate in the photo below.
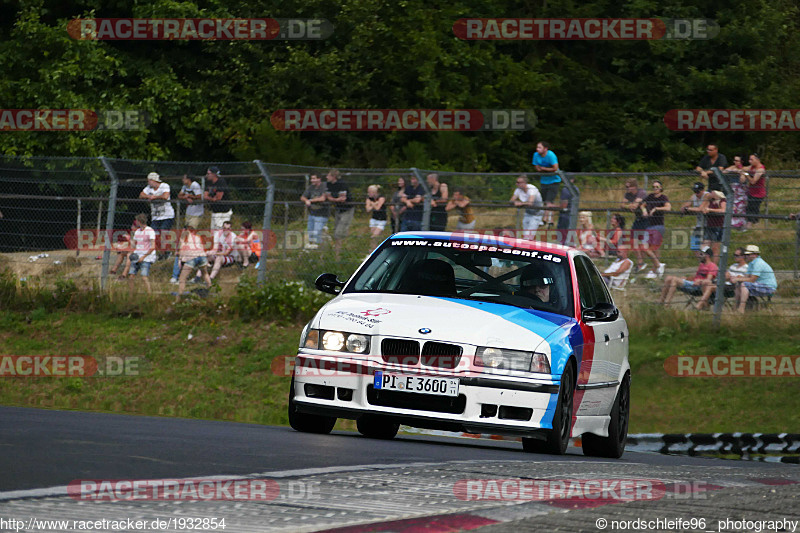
(419, 384)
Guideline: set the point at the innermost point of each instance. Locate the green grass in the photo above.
(225, 371)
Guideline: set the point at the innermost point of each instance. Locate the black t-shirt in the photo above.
(339, 187)
(652, 201)
(705, 163)
(213, 188)
(415, 213)
(380, 214)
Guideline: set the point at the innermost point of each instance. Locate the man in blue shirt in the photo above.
(545, 160)
(759, 280)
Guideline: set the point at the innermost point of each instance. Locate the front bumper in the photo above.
(344, 387)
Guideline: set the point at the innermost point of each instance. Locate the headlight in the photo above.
(338, 341)
(502, 359)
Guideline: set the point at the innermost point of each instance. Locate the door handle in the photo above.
(607, 339)
(621, 334)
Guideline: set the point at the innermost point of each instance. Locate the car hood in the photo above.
(448, 319)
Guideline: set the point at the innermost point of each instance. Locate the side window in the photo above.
(601, 294)
(584, 284)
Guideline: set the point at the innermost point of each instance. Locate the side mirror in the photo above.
(601, 312)
(329, 283)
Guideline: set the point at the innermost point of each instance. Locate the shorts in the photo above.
(218, 218)
(377, 224)
(341, 223)
(197, 262)
(227, 260)
(714, 234)
(142, 267)
(655, 236)
(639, 223)
(193, 220)
(689, 286)
(550, 191)
(758, 289)
(466, 225)
(164, 224)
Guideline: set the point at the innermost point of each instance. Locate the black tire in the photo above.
(376, 427)
(305, 422)
(558, 438)
(614, 445)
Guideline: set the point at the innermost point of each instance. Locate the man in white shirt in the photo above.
(192, 194)
(527, 195)
(144, 252)
(162, 215)
(617, 274)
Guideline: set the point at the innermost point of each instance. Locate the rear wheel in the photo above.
(613, 445)
(558, 438)
(305, 422)
(376, 427)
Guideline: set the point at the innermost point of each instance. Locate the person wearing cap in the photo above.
(759, 280)
(705, 274)
(714, 209)
(162, 215)
(693, 205)
(216, 196)
(738, 268)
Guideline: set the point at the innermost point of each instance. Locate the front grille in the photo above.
(419, 402)
(400, 351)
(441, 355)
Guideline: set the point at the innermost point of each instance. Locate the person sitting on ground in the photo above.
(617, 274)
(706, 272)
(193, 256)
(248, 245)
(221, 253)
(759, 281)
(587, 236)
(375, 205)
(460, 202)
(123, 247)
(738, 268)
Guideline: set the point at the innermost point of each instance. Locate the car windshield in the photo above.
(493, 273)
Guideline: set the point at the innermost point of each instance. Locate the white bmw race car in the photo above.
(468, 333)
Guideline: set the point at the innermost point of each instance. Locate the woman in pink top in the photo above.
(193, 256)
(757, 190)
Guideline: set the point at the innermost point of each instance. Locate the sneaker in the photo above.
(174, 281)
(651, 275)
(660, 270)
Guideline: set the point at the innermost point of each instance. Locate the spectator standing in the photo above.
(714, 209)
(439, 197)
(712, 159)
(755, 179)
(460, 202)
(609, 245)
(705, 274)
(192, 194)
(144, 252)
(566, 206)
(739, 192)
(633, 202)
(316, 200)
(618, 272)
(193, 256)
(694, 205)
(339, 195)
(588, 241)
(656, 204)
(398, 207)
(217, 196)
(375, 205)
(545, 160)
(528, 196)
(759, 280)
(738, 268)
(162, 215)
(414, 194)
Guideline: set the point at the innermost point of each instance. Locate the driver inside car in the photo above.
(536, 285)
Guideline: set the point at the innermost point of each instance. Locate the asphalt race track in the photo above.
(346, 481)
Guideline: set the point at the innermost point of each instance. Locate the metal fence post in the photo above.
(726, 241)
(797, 248)
(426, 208)
(112, 211)
(78, 228)
(266, 224)
(574, 203)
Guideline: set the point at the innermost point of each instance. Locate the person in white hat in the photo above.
(759, 280)
(162, 215)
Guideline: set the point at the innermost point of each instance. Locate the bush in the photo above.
(287, 302)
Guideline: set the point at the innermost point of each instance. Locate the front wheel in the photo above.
(558, 438)
(305, 422)
(376, 427)
(613, 445)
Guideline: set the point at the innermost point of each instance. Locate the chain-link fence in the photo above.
(72, 217)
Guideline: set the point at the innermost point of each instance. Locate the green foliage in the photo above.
(285, 302)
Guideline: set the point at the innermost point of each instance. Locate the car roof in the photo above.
(488, 239)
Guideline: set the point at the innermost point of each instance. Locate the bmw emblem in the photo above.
(424, 331)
